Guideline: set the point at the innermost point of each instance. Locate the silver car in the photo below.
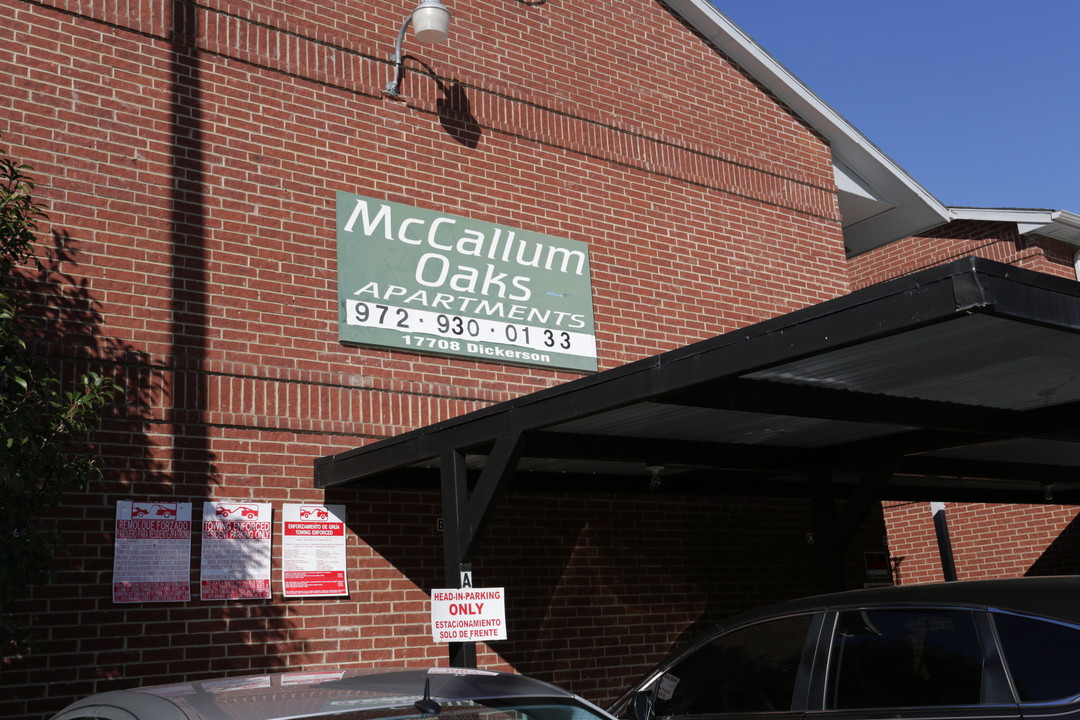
(445, 694)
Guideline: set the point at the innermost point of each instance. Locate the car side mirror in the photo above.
(641, 705)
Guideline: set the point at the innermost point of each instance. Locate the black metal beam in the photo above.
(1037, 473)
(917, 478)
(456, 537)
(789, 399)
(667, 452)
(823, 503)
(793, 400)
(492, 485)
(864, 497)
(466, 516)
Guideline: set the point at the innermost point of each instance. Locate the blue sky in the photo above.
(978, 100)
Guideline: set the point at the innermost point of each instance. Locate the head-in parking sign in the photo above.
(468, 615)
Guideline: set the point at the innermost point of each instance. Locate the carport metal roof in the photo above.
(960, 382)
(966, 375)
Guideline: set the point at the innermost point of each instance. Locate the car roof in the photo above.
(297, 694)
(1051, 596)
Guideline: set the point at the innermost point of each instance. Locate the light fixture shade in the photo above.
(431, 22)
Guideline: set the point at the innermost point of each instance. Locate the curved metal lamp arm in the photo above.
(393, 87)
(430, 28)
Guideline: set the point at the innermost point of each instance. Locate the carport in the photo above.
(957, 383)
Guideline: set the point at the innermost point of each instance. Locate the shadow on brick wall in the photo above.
(1062, 557)
(601, 587)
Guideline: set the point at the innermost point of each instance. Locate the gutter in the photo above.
(1058, 224)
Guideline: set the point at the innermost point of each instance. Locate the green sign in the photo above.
(429, 282)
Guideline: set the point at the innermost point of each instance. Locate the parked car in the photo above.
(1001, 649)
(449, 694)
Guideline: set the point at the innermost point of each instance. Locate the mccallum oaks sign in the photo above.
(431, 282)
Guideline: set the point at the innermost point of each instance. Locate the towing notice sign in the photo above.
(152, 561)
(313, 550)
(236, 543)
(468, 615)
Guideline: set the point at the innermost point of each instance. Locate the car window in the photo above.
(905, 658)
(1042, 657)
(750, 669)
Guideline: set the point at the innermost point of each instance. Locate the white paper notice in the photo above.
(313, 550)
(236, 542)
(152, 562)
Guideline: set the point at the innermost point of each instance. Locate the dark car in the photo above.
(993, 650)
(447, 694)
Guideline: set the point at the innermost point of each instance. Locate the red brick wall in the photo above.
(189, 157)
(964, 238)
(988, 541)
(599, 588)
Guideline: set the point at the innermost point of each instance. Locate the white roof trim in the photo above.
(909, 208)
(1058, 224)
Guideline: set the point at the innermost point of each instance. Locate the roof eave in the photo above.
(1058, 224)
(909, 208)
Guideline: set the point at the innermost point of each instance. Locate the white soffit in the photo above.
(879, 202)
(1058, 224)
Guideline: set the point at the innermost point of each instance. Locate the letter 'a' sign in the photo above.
(468, 615)
(429, 282)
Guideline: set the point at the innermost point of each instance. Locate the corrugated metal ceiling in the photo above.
(963, 377)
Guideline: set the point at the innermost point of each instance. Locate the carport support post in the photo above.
(455, 492)
(466, 519)
(833, 532)
(944, 542)
(824, 505)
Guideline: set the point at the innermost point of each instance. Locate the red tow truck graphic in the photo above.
(157, 510)
(225, 511)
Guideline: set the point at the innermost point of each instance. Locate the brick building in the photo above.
(194, 157)
(989, 540)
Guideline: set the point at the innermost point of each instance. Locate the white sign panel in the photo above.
(152, 561)
(468, 615)
(236, 542)
(313, 550)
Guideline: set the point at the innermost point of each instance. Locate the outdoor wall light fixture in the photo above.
(431, 25)
(654, 476)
